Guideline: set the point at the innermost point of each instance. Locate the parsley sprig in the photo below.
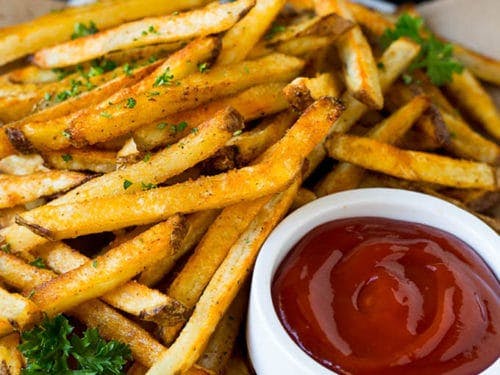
(81, 30)
(436, 57)
(53, 348)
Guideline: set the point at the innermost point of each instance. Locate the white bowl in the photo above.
(271, 350)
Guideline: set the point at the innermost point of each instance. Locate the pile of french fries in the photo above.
(174, 164)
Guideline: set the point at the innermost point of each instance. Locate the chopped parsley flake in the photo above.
(164, 79)
(148, 186)
(105, 115)
(237, 132)
(66, 133)
(131, 102)
(38, 262)
(81, 30)
(127, 184)
(275, 29)
(67, 157)
(147, 157)
(203, 67)
(5, 248)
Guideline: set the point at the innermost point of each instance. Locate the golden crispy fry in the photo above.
(81, 160)
(92, 126)
(132, 297)
(16, 190)
(348, 176)
(197, 224)
(372, 20)
(483, 67)
(223, 287)
(300, 47)
(128, 154)
(240, 39)
(52, 28)
(220, 345)
(106, 272)
(302, 91)
(31, 74)
(477, 103)
(19, 311)
(257, 101)
(8, 215)
(144, 53)
(6, 147)
(411, 165)
(11, 359)
(213, 19)
(476, 200)
(361, 73)
(303, 197)
(22, 164)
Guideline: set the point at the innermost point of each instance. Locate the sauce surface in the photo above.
(381, 296)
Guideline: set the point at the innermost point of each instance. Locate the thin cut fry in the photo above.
(106, 272)
(11, 359)
(81, 160)
(483, 67)
(303, 197)
(213, 19)
(20, 165)
(361, 73)
(411, 165)
(15, 190)
(19, 311)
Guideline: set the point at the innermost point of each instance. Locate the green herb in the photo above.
(152, 30)
(176, 13)
(164, 79)
(275, 29)
(246, 69)
(54, 348)
(105, 115)
(5, 248)
(407, 79)
(131, 102)
(148, 186)
(67, 157)
(147, 157)
(381, 65)
(47, 96)
(127, 68)
(38, 262)
(435, 57)
(179, 127)
(94, 263)
(203, 67)
(80, 30)
(66, 133)
(194, 130)
(73, 91)
(237, 132)
(161, 125)
(31, 293)
(152, 59)
(62, 73)
(99, 67)
(127, 184)
(153, 93)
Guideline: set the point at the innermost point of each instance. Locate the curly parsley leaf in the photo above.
(53, 348)
(165, 79)
(81, 30)
(435, 57)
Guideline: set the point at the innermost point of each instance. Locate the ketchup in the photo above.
(381, 296)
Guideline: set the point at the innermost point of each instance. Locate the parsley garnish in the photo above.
(54, 348)
(194, 130)
(126, 184)
(94, 263)
(80, 30)
(179, 127)
(275, 29)
(127, 69)
(164, 79)
(203, 67)
(148, 186)
(105, 115)
(152, 93)
(74, 90)
(161, 125)
(38, 262)
(67, 157)
(435, 57)
(131, 102)
(62, 73)
(147, 157)
(5, 248)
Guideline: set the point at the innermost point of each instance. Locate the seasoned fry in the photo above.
(213, 19)
(240, 39)
(361, 73)
(471, 96)
(20, 165)
(483, 67)
(301, 92)
(106, 272)
(81, 160)
(52, 28)
(19, 311)
(348, 176)
(251, 103)
(11, 360)
(476, 200)
(15, 190)
(92, 127)
(8, 215)
(222, 288)
(303, 197)
(411, 165)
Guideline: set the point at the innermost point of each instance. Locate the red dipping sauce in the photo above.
(380, 296)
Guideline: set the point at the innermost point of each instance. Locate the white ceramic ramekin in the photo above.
(271, 350)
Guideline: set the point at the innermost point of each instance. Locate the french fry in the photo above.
(222, 288)
(220, 345)
(279, 164)
(483, 67)
(212, 19)
(472, 97)
(132, 297)
(6, 147)
(110, 270)
(81, 160)
(197, 224)
(128, 154)
(372, 20)
(11, 360)
(52, 28)
(91, 127)
(411, 165)
(303, 197)
(31, 74)
(8, 215)
(348, 176)
(240, 39)
(237, 366)
(20, 165)
(476, 200)
(251, 103)
(361, 73)
(15, 190)
(19, 311)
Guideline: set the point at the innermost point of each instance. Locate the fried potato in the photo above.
(52, 28)
(475, 101)
(303, 197)
(19, 311)
(302, 91)
(483, 67)
(348, 176)
(252, 103)
(361, 73)
(373, 21)
(8, 215)
(81, 160)
(15, 190)
(411, 165)
(213, 19)
(240, 39)
(91, 127)
(20, 165)
(11, 360)
(106, 272)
